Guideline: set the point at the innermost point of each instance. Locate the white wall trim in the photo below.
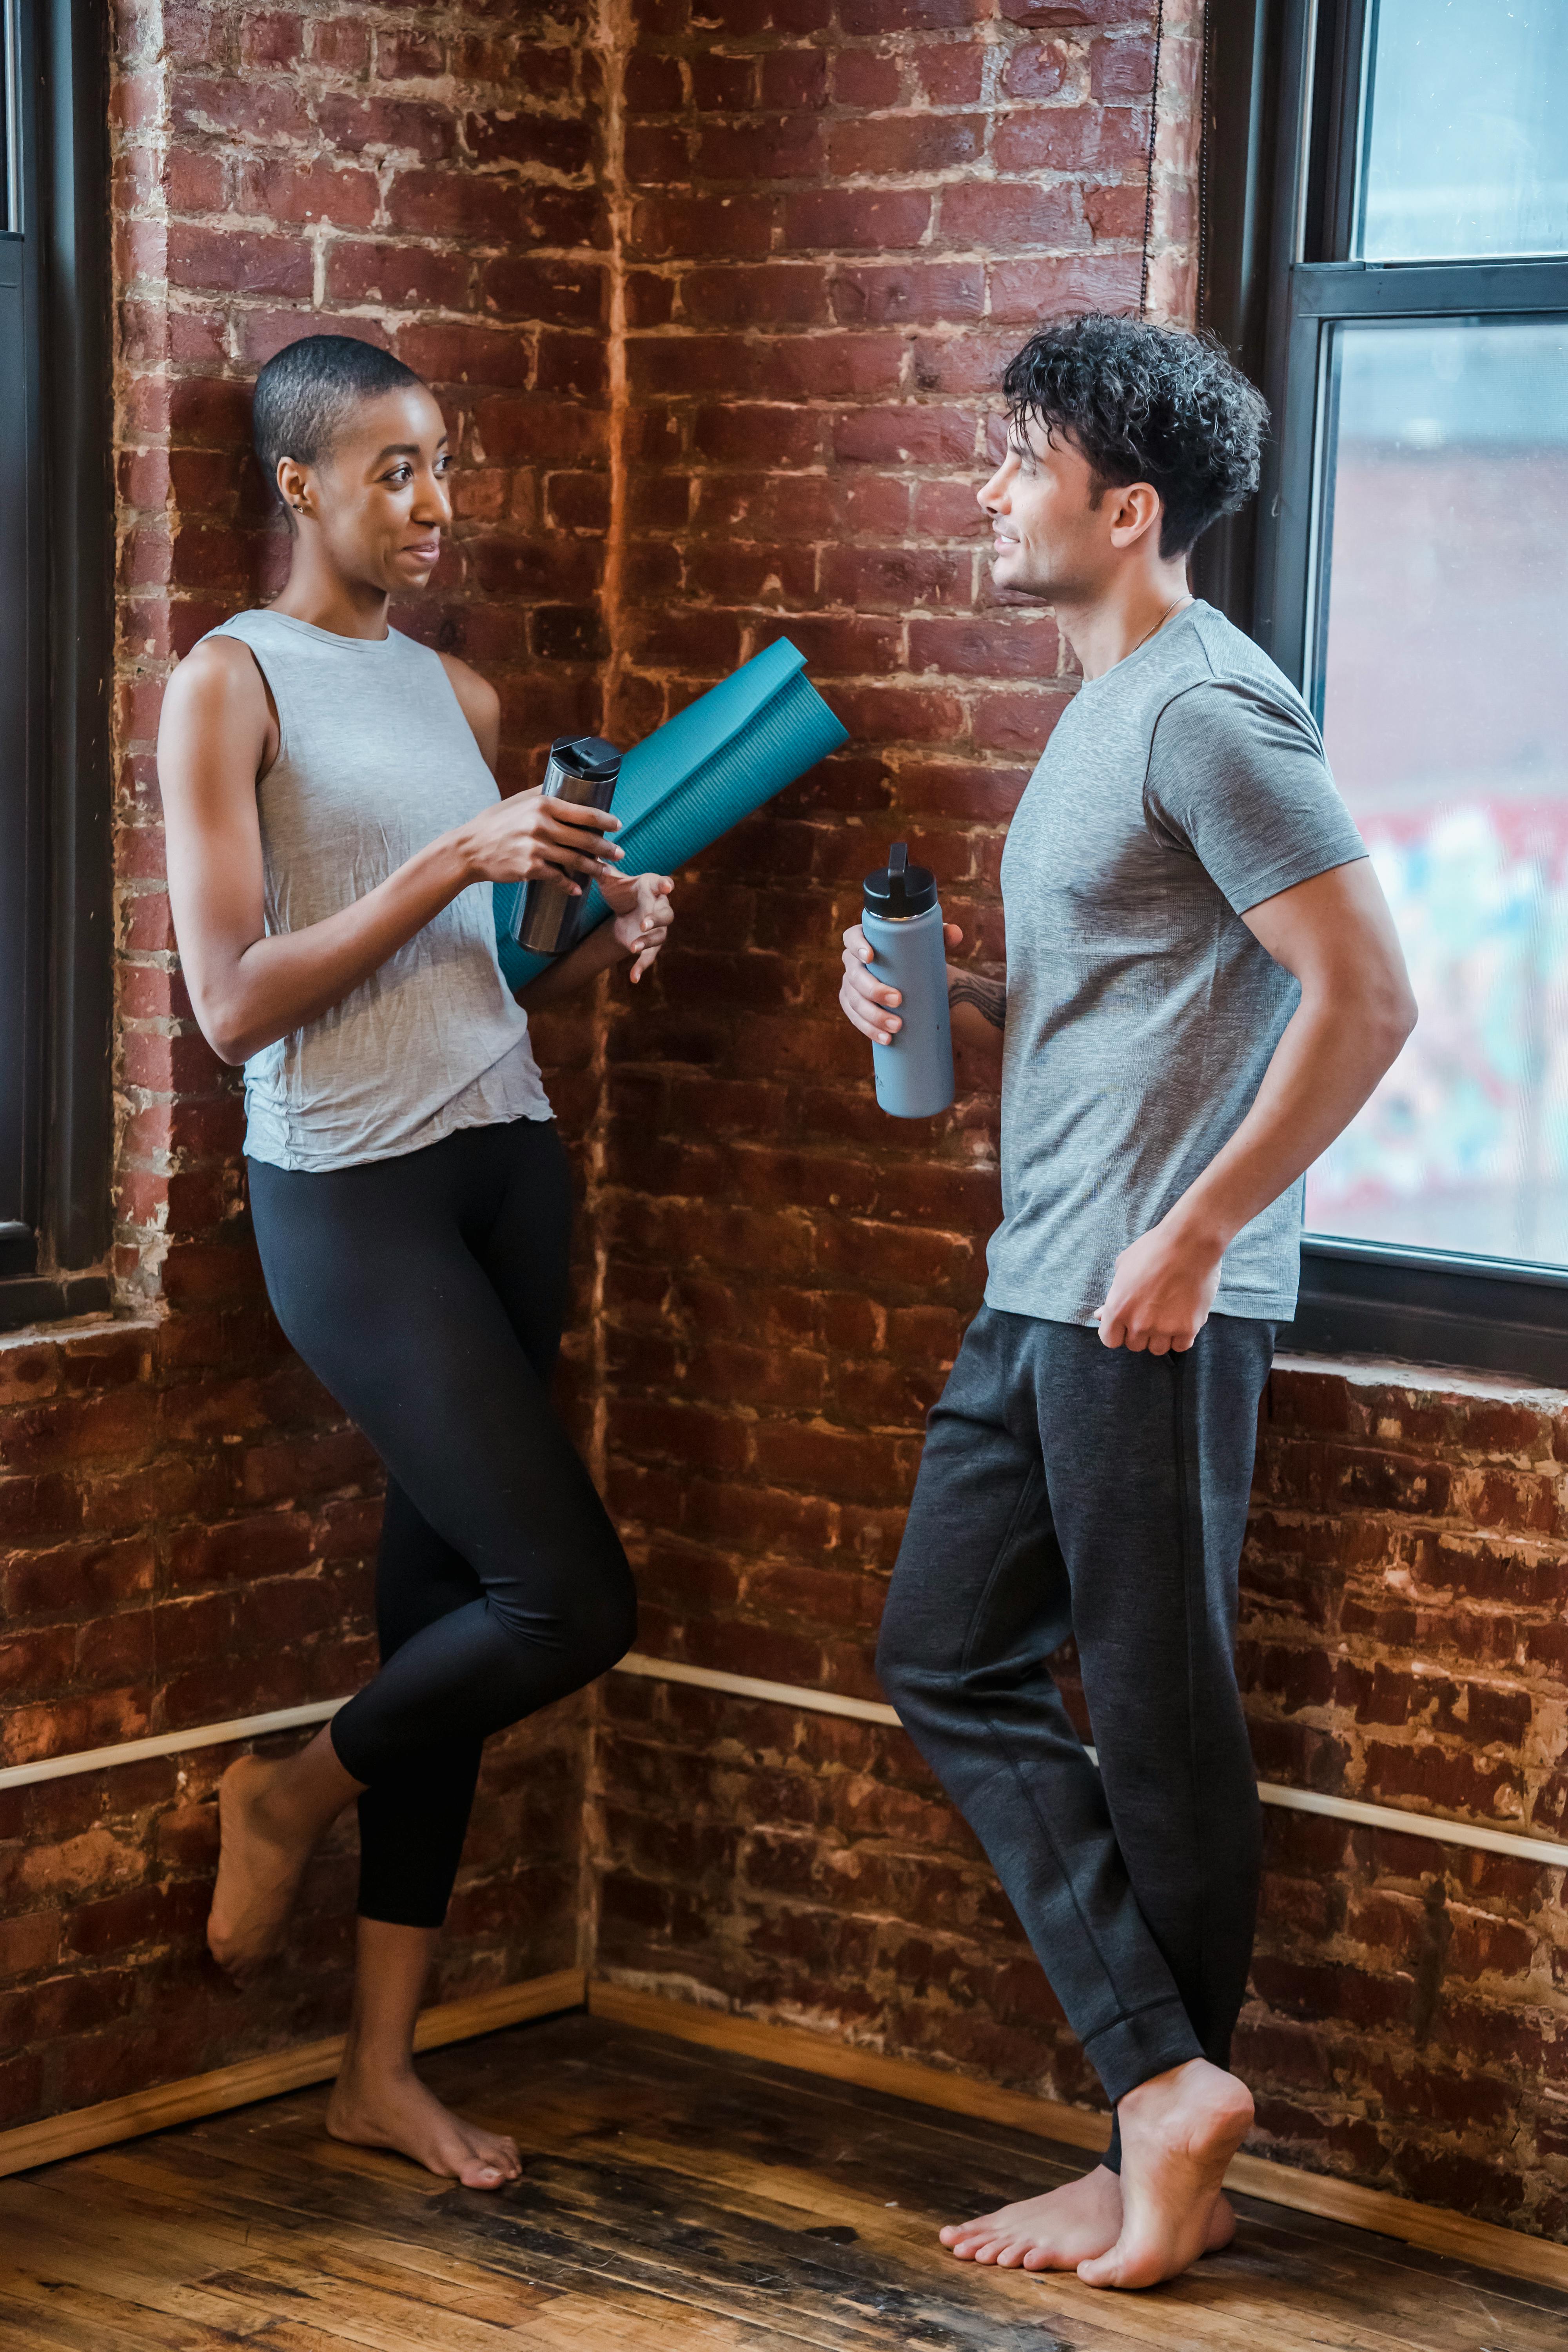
(1482, 1837)
(167, 1743)
(1294, 1800)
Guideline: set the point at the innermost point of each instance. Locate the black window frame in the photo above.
(56, 629)
(1282, 122)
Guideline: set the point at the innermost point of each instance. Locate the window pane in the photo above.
(1441, 675)
(13, 682)
(1466, 148)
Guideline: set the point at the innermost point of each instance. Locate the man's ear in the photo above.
(1135, 510)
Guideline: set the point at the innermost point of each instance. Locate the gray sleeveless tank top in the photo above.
(376, 759)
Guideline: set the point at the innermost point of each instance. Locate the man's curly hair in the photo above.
(1145, 404)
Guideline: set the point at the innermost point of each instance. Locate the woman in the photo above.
(331, 807)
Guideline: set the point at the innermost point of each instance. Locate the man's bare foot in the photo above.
(1179, 2132)
(1054, 2231)
(396, 2110)
(262, 1859)
(1064, 2226)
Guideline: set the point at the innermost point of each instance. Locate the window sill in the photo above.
(1377, 1369)
(32, 1298)
(1433, 1307)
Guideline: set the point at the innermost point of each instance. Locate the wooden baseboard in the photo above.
(265, 2077)
(1438, 2233)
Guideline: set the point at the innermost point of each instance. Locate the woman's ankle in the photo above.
(366, 2065)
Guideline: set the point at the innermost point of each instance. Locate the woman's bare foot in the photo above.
(261, 1860)
(396, 2110)
(1179, 2132)
(1063, 2226)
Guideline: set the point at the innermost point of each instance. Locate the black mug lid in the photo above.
(587, 755)
(899, 890)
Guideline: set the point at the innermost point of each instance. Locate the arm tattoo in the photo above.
(989, 997)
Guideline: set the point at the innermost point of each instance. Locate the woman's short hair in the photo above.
(1145, 404)
(307, 389)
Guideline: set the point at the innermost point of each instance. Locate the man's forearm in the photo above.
(977, 1008)
(1323, 1069)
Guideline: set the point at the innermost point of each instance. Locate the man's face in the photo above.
(1051, 540)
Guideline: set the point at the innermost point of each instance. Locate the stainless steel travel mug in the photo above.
(583, 768)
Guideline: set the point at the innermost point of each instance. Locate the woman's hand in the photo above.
(640, 905)
(531, 839)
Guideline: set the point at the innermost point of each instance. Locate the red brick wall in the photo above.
(837, 224)
(186, 1524)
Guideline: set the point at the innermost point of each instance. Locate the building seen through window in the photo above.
(1441, 682)
(1437, 640)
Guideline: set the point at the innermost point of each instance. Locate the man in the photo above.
(1204, 986)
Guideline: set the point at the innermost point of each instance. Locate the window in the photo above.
(56, 656)
(1385, 248)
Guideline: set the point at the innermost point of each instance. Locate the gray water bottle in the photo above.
(903, 923)
(584, 768)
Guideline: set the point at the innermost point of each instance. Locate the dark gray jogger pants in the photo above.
(1069, 1487)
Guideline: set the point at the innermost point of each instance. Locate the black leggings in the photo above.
(428, 1294)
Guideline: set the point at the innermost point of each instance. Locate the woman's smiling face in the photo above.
(379, 497)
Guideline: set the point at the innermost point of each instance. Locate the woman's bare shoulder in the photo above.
(217, 701)
(219, 678)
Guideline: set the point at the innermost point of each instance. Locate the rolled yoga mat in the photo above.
(696, 777)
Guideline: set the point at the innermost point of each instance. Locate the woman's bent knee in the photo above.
(612, 1628)
(600, 1625)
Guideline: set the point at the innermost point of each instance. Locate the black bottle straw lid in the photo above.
(899, 890)
(589, 755)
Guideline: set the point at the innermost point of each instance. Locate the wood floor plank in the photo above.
(707, 2162)
(56, 2316)
(407, 2264)
(674, 2199)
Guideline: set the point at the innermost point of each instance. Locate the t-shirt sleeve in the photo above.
(1238, 778)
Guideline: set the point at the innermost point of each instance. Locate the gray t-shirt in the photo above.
(1185, 785)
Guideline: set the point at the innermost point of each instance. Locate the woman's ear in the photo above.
(293, 489)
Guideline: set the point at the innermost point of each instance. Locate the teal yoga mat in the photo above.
(699, 775)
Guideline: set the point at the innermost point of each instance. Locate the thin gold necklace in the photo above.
(1188, 599)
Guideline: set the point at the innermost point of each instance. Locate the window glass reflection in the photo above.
(1467, 149)
(1441, 682)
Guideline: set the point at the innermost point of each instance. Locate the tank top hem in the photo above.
(299, 1163)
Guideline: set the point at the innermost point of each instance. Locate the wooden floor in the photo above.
(674, 2199)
